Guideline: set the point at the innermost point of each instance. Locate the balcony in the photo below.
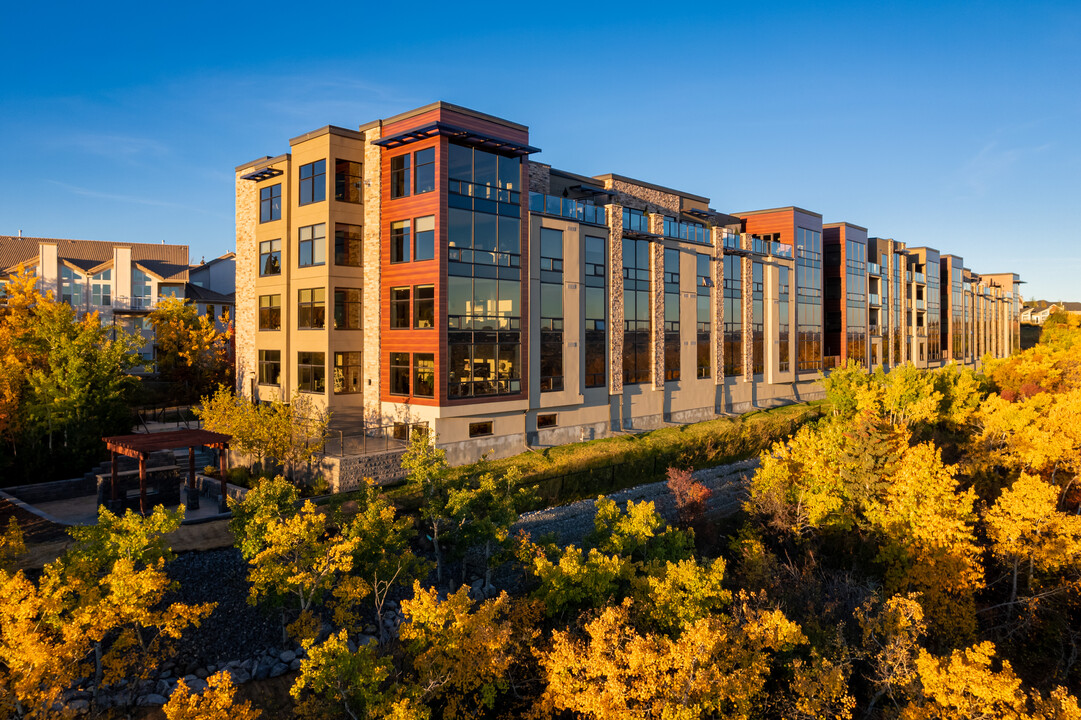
(908, 275)
(921, 332)
(483, 192)
(566, 208)
(921, 278)
(921, 303)
(874, 329)
(122, 303)
(780, 249)
(874, 269)
(874, 300)
(759, 246)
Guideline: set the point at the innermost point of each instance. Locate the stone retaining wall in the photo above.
(347, 473)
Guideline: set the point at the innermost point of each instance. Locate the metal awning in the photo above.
(263, 174)
(592, 189)
(469, 137)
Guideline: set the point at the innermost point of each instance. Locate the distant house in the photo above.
(1039, 317)
(1074, 308)
(1026, 315)
(212, 287)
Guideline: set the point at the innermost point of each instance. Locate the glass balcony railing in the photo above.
(908, 275)
(730, 241)
(567, 208)
(921, 332)
(759, 246)
(780, 249)
(921, 304)
(484, 192)
(921, 278)
(874, 299)
(874, 329)
(874, 269)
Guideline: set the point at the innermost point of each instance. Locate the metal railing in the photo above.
(780, 249)
(567, 208)
(874, 299)
(372, 439)
(874, 268)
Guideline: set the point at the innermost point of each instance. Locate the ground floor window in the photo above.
(270, 367)
(311, 372)
(347, 372)
(484, 363)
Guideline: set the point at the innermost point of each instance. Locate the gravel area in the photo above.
(571, 523)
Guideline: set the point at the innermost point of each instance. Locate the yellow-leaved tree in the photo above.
(191, 349)
(215, 703)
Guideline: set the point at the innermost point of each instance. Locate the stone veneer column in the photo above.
(247, 262)
(371, 294)
(615, 300)
(717, 304)
(656, 300)
(746, 272)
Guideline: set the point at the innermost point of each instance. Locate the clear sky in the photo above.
(953, 125)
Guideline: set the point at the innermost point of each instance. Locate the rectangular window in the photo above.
(704, 338)
(311, 372)
(733, 316)
(313, 182)
(596, 315)
(270, 257)
(71, 287)
(270, 203)
(424, 306)
(101, 288)
(346, 373)
(399, 241)
(783, 361)
(399, 176)
(758, 336)
(347, 309)
(424, 177)
(210, 311)
(312, 248)
(671, 314)
(270, 312)
(399, 373)
(551, 310)
(140, 289)
(270, 367)
(347, 241)
(424, 235)
(424, 375)
(546, 420)
(348, 179)
(480, 429)
(637, 313)
(311, 309)
(399, 307)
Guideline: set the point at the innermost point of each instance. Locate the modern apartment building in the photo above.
(426, 267)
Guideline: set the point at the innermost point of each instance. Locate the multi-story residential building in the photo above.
(212, 288)
(425, 268)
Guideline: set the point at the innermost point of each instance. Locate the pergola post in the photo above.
(223, 505)
(142, 483)
(114, 493)
(193, 496)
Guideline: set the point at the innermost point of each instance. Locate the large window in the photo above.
(856, 321)
(270, 312)
(704, 321)
(101, 288)
(637, 314)
(347, 370)
(347, 309)
(399, 176)
(270, 367)
(424, 237)
(671, 314)
(311, 372)
(424, 171)
(270, 257)
(934, 310)
(424, 307)
(551, 309)
(140, 289)
(348, 181)
(313, 182)
(71, 287)
(596, 315)
(733, 316)
(399, 241)
(783, 324)
(312, 248)
(808, 300)
(424, 375)
(270, 203)
(311, 309)
(399, 308)
(758, 335)
(347, 243)
(399, 373)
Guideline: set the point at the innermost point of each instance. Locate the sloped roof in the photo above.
(196, 293)
(166, 261)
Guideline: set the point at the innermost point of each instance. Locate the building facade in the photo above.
(425, 268)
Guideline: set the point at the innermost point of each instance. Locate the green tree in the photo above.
(191, 349)
(427, 468)
(484, 511)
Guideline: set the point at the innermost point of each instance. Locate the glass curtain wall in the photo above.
(856, 301)
(808, 299)
(637, 317)
(898, 318)
(733, 316)
(596, 311)
(758, 335)
(484, 291)
(551, 310)
(671, 314)
(703, 285)
(783, 325)
(934, 309)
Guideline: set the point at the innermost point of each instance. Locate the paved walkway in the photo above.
(84, 510)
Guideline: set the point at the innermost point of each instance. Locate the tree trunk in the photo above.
(438, 553)
(487, 564)
(1013, 593)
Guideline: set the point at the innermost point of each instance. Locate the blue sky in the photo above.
(953, 125)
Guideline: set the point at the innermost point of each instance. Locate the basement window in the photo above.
(480, 429)
(546, 421)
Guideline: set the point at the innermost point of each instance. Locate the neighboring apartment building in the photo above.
(423, 268)
(123, 282)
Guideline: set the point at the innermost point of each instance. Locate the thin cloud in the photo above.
(129, 199)
(991, 163)
(114, 145)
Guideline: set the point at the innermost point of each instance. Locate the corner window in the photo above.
(347, 239)
(348, 176)
(347, 309)
(312, 248)
(270, 257)
(424, 173)
(311, 372)
(270, 367)
(399, 241)
(399, 176)
(399, 308)
(399, 373)
(270, 312)
(313, 182)
(424, 375)
(346, 373)
(270, 203)
(480, 429)
(424, 306)
(424, 230)
(311, 309)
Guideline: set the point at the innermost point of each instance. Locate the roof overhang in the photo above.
(263, 174)
(468, 137)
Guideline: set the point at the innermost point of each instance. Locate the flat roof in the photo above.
(845, 224)
(327, 130)
(262, 162)
(652, 186)
(443, 105)
(794, 208)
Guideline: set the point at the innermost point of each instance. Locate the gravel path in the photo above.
(570, 523)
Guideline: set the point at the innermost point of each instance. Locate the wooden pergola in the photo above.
(140, 446)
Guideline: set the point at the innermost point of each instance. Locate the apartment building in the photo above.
(426, 267)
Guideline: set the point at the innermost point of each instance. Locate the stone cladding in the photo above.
(247, 261)
(540, 178)
(717, 303)
(371, 291)
(656, 291)
(615, 299)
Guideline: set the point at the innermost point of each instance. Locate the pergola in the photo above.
(140, 446)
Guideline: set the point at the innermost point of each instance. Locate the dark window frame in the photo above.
(424, 173)
(401, 308)
(269, 210)
(400, 176)
(312, 372)
(271, 253)
(270, 320)
(348, 245)
(401, 233)
(311, 310)
(397, 366)
(481, 429)
(265, 366)
(418, 358)
(307, 246)
(313, 185)
(343, 302)
(354, 370)
(348, 181)
(419, 304)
